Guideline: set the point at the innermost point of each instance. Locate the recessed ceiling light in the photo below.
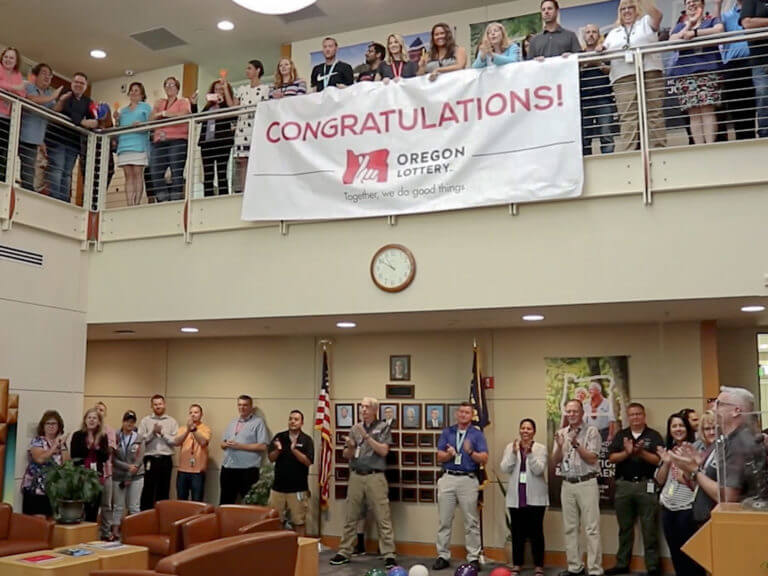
(755, 308)
(126, 331)
(533, 317)
(225, 25)
(190, 330)
(346, 325)
(274, 6)
(98, 54)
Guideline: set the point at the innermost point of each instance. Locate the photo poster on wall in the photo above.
(601, 383)
(354, 54)
(9, 412)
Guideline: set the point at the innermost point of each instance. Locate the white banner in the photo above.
(471, 138)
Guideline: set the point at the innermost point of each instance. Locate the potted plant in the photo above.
(259, 493)
(69, 487)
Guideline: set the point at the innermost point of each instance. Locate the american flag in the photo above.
(323, 423)
(480, 415)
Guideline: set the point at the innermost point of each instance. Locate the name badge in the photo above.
(457, 459)
(148, 465)
(192, 461)
(629, 57)
(651, 487)
(357, 452)
(522, 478)
(299, 496)
(93, 466)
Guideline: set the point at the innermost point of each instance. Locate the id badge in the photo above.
(522, 477)
(192, 461)
(357, 452)
(671, 489)
(457, 459)
(148, 465)
(629, 57)
(93, 466)
(299, 496)
(650, 487)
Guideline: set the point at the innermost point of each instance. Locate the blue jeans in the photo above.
(168, 154)
(598, 121)
(61, 160)
(760, 80)
(190, 483)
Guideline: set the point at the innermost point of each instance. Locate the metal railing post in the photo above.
(8, 207)
(642, 126)
(189, 182)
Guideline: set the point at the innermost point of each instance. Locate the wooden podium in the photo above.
(732, 542)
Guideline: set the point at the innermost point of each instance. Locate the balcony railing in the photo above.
(181, 191)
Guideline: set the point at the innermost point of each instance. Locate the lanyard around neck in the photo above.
(327, 76)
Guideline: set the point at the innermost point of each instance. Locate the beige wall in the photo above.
(111, 90)
(283, 373)
(42, 332)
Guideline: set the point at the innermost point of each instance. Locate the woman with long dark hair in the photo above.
(89, 448)
(217, 137)
(444, 55)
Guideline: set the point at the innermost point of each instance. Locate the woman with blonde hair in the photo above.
(398, 63)
(89, 448)
(707, 431)
(638, 24)
(496, 47)
(287, 83)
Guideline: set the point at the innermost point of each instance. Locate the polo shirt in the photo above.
(735, 49)
(741, 457)
(248, 431)
(193, 457)
(365, 459)
(555, 43)
(450, 435)
(164, 444)
(290, 474)
(572, 465)
(757, 48)
(324, 75)
(696, 60)
(639, 34)
(33, 125)
(136, 141)
(634, 467)
(77, 110)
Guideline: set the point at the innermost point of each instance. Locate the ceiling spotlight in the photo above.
(533, 317)
(274, 6)
(99, 54)
(225, 25)
(346, 325)
(755, 308)
(190, 330)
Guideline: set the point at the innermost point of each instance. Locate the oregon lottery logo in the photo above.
(366, 167)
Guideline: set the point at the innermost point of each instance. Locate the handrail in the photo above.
(57, 117)
(233, 112)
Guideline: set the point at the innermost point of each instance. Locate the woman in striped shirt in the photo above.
(677, 497)
(287, 82)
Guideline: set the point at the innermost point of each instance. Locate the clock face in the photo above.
(393, 268)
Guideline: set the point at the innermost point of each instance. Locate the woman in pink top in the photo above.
(169, 145)
(10, 81)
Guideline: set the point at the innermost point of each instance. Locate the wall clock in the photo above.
(393, 268)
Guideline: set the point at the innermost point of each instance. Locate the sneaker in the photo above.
(616, 570)
(581, 572)
(358, 552)
(441, 564)
(476, 565)
(339, 559)
(389, 563)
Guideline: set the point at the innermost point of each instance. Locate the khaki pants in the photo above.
(295, 502)
(461, 490)
(373, 490)
(581, 505)
(625, 91)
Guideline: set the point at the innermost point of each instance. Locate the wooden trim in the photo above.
(710, 374)
(286, 51)
(551, 558)
(189, 79)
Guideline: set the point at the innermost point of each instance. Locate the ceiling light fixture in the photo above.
(346, 325)
(190, 330)
(98, 54)
(225, 25)
(753, 308)
(533, 317)
(273, 7)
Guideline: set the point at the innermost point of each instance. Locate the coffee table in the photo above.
(72, 534)
(123, 556)
(60, 565)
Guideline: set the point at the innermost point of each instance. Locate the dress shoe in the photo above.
(616, 570)
(441, 564)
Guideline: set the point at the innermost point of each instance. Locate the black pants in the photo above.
(215, 158)
(32, 504)
(157, 480)
(5, 134)
(527, 524)
(190, 486)
(28, 157)
(738, 100)
(678, 528)
(236, 482)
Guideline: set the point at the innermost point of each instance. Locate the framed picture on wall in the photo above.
(400, 368)
(359, 413)
(342, 474)
(426, 440)
(344, 415)
(434, 416)
(410, 440)
(388, 413)
(452, 408)
(411, 416)
(341, 438)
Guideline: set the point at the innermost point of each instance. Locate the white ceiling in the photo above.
(62, 32)
(726, 311)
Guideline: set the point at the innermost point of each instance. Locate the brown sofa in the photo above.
(229, 520)
(262, 554)
(20, 533)
(159, 529)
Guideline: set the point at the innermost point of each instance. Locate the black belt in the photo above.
(460, 473)
(577, 479)
(635, 479)
(157, 456)
(367, 472)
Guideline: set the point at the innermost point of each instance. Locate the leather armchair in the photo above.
(20, 533)
(263, 553)
(159, 529)
(229, 520)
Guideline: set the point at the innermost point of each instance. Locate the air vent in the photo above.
(19, 255)
(311, 11)
(158, 39)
